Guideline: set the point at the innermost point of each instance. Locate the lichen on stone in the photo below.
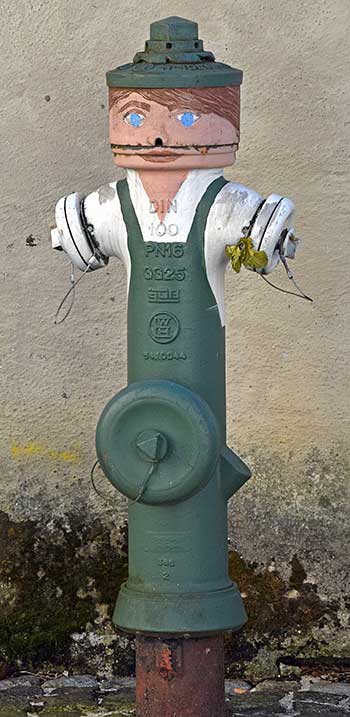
(286, 621)
(57, 588)
(59, 581)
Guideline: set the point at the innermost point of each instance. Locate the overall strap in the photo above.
(129, 215)
(204, 207)
(200, 217)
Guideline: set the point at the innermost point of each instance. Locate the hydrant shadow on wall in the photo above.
(175, 222)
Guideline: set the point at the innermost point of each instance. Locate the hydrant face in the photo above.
(177, 128)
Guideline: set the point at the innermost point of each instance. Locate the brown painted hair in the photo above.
(222, 101)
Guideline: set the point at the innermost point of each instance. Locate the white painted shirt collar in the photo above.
(178, 220)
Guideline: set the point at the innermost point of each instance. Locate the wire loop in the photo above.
(300, 295)
(142, 488)
(74, 283)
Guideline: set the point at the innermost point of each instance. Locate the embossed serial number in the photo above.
(164, 355)
(157, 273)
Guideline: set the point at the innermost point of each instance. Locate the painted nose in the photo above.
(158, 142)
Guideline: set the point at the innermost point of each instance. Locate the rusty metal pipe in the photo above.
(180, 677)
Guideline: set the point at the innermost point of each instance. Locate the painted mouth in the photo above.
(160, 157)
(143, 149)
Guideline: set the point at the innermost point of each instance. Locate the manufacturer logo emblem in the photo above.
(164, 327)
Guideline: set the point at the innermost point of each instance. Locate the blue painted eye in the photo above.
(134, 119)
(187, 118)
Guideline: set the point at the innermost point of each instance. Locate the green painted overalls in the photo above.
(174, 327)
(178, 578)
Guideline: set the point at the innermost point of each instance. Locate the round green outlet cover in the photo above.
(159, 429)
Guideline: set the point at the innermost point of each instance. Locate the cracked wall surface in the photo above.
(62, 554)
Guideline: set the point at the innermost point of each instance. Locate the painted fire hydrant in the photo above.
(175, 223)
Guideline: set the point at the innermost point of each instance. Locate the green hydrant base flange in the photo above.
(196, 613)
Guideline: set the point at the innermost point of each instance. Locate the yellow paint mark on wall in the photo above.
(36, 449)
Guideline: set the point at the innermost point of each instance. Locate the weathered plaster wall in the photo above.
(61, 557)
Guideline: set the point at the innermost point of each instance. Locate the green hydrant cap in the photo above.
(174, 57)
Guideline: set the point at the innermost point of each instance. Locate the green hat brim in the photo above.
(172, 75)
